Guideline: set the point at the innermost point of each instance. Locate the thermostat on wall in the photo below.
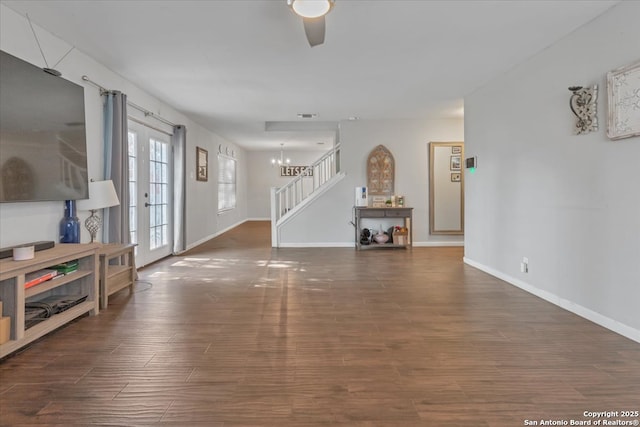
(471, 162)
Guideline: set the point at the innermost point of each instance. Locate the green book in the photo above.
(66, 267)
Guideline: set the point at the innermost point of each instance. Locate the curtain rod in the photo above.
(150, 126)
(87, 79)
(146, 112)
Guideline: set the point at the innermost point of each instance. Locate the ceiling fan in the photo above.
(312, 13)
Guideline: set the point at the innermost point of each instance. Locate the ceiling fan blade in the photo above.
(314, 29)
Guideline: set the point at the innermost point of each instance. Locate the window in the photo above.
(226, 183)
(133, 186)
(159, 193)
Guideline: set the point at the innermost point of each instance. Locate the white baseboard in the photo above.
(606, 322)
(211, 236)
(436, 244)
(352, 245)
(318, 245)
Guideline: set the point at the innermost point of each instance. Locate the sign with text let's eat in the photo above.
(295, 170)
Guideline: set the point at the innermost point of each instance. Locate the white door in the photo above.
(150, 193)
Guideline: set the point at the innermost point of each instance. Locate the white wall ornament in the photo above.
(623, 87)
(584, 107)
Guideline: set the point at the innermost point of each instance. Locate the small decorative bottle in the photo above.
(70, 224)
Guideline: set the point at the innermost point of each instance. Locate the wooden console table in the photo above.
(404, 213)
(82, 282)
(117, 269)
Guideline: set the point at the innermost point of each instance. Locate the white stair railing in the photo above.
(73, 176)
(286, 198)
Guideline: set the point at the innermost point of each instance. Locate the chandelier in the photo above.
(282, 160)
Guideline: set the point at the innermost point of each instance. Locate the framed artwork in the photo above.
(378, 201)
(455, 177)
(455, 163)
(202, 164)
(456, 149)
(623, 89)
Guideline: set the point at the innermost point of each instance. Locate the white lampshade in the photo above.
(102, 194)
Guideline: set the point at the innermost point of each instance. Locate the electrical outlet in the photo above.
(524, 265)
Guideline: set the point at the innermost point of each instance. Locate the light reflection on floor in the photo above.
(193, 267)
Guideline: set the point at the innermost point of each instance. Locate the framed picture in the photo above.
(455, 163)
(456, 149)
(623, 89)
(202, 164)
(455, 177)
(378, 201)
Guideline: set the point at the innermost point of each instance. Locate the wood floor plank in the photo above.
(235, 333)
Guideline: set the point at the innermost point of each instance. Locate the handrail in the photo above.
(302, 186)
(73, 176)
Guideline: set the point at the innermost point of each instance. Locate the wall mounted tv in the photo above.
(43, 145)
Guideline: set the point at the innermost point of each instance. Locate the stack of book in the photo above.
(37, 277)
(66, 267)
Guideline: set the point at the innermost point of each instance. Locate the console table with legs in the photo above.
(17, 294)
(117, 269)
(403, 214)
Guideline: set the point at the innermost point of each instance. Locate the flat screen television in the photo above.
(43, 145)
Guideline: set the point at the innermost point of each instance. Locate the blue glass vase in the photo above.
(70, 224)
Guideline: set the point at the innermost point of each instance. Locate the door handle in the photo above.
(146, 205)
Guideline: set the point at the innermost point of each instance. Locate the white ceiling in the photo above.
(234, 65)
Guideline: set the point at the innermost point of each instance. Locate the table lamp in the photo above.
(102, 194)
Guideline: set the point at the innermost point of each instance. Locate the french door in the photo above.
(150, 193)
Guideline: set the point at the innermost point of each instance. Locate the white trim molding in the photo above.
(211, 236)
(318, 245)
(597, 318)
(436, 244)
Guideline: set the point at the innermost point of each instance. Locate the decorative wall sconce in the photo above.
(583, 105)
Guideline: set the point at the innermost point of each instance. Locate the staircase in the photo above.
(289, 200)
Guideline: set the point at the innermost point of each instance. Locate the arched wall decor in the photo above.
(381, 172)
(18, 182)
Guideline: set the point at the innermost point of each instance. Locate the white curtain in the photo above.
(179, 141)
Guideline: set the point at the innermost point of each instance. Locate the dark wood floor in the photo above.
(237, 334)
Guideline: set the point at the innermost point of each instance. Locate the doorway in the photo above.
(150, 192)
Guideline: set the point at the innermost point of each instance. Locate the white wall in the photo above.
(408, 140)
(27, 222)
(570, 203)
(263, 176)
(203, 220)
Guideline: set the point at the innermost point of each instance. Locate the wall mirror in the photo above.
(446, 188)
